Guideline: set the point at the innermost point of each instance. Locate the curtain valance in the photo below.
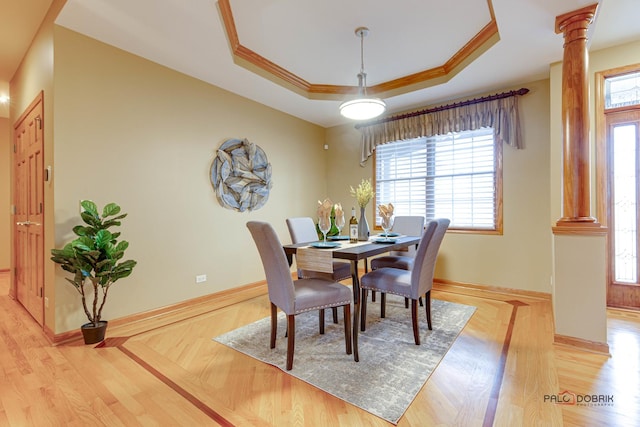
(498, 111)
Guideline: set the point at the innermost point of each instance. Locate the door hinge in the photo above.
(41, 294)
(15, 148)
(40, 207)
(39, 120)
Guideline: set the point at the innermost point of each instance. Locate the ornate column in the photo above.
(576, 207)
(579, 281)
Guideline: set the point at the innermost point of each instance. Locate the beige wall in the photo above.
(5, 195)
(521, 257)
(135, 133)
(130, 131)
(34, 75)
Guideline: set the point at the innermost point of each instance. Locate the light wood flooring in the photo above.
(503, 370)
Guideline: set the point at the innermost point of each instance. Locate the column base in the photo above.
(581, 225)
(578, 219)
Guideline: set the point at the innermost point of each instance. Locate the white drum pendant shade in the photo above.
(363, 107)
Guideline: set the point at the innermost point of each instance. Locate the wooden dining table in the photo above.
(355, 253)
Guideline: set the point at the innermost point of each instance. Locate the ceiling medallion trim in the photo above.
(256, 63)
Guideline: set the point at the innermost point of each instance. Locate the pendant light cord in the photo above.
(362, 77)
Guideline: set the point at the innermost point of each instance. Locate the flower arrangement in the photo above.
(327, 211)
(324, 210)
(338, 212)
(386, 215)
(363, 194)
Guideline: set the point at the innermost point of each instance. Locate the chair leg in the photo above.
(373, 296)
(291, 340)
(414, 321)
(427, 298)
(321, 321)
(363, 310)
(383, 304)
(346, 310)
(335, 314)
(274, 324)
(406, 303)
(420, 301)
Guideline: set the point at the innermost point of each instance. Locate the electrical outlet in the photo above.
(201, 278)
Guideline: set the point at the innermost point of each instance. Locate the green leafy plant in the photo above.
(94, 256)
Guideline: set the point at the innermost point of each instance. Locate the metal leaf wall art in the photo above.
(241, 175)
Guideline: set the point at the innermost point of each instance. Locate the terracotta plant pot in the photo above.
(94, 334)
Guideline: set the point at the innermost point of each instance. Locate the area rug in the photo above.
(391, 370)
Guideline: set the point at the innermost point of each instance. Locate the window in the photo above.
(455, 176)
(622, 91)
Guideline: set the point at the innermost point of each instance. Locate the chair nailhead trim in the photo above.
(340, 304)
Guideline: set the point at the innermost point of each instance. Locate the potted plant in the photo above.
(94, 260)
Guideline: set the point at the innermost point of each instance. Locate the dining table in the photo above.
(356, 252)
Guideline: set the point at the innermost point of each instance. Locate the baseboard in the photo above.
(452, 286)
(135, 323)
(49, 334)
(581, 344)
(468, 289)
(633, 313)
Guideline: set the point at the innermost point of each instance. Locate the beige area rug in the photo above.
(391, 370)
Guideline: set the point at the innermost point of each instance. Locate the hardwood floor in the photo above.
(503, 370)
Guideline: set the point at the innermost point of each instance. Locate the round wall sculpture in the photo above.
(241, 175)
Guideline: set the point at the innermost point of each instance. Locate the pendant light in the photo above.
(363, 107)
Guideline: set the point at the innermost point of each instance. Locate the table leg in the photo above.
(356, 307)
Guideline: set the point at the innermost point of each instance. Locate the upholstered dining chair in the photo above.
(409, 226)
(412, 283)
(299, 296)
(302, 230)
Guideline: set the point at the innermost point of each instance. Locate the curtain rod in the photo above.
(522, 91)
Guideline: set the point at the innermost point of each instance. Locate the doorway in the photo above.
(28, 201)
(623, 143)
(619, 193)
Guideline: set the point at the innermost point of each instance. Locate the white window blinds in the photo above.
(451, 176)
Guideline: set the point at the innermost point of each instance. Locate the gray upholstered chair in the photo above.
(299, 296)
(409, 226)
(302, 230)
(412, 283)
